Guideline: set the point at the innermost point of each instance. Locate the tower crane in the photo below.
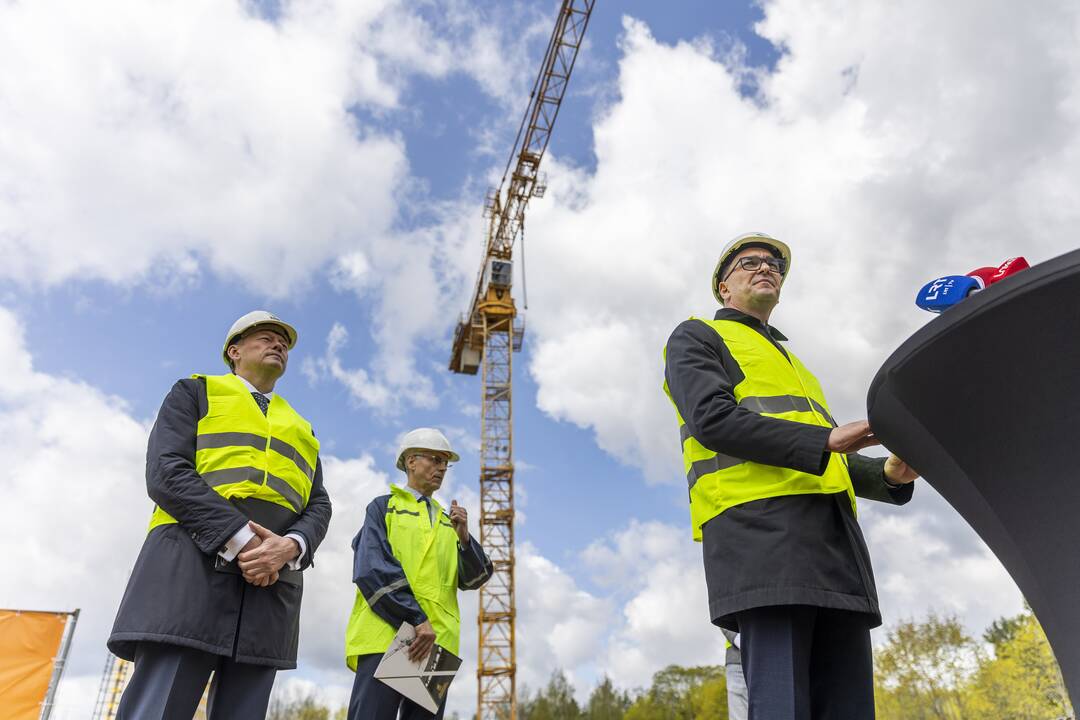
(487, 336)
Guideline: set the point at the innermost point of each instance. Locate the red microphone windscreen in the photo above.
(984, 275)
(1010, 267)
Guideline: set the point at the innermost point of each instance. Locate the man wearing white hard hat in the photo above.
(240, 509)
(772, 484)
(410, 559)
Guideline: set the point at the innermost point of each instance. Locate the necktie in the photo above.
(262, 400)
(427, 501)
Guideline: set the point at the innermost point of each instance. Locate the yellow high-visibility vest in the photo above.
(773, 386)
(242, 453)
(429, 556)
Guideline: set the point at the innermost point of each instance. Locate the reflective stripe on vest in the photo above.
(429, 556)
(242, 453)
(773, 386)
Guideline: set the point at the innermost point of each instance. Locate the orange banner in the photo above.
(29, 644)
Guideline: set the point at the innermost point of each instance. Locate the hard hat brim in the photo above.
(454, 457)
(287, 330)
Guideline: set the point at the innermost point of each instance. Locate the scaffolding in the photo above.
(59, 663)
(114, 679)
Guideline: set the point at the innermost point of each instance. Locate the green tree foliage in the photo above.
(1023, 680)
(304, 708)
(554, 702)
(923, 669)
(606, 702)
(928, 670)
(1002, 631)
(933, 670)
(680, 693)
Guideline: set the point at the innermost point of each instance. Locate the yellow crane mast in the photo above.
(488, 335)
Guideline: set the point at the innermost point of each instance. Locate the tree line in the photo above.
(925, 670)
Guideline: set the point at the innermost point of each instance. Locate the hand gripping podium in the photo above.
(984, 401)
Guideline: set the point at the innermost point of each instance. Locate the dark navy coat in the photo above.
(176, 594)
(790, 550)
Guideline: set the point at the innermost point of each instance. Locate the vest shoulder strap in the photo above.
(735, 330)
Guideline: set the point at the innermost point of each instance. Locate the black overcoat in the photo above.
(176, 593)
(790, 550)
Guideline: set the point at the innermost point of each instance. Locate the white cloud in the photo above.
(878, 177)
(656, 574)
(465, 441)
(652, 607)
(149, 145)
(144, 140)
(928, 560)
(485, 41)
(75, 473)
(421, 277)
(560, 625)
(146, 143)
(648, 609)
(329, 592)
(328, 588)
(362, 388)
(75, 470)
(887, 148)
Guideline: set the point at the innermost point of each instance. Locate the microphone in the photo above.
(990, 275)
(939, 295)
(1009, 267)
(945, 292)
(984, 276)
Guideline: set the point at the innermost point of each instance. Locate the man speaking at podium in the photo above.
(773, 482)
(241, 508)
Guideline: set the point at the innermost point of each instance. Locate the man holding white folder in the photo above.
(410, 559)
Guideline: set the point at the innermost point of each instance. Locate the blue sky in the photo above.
(135, 341)
(167, 171)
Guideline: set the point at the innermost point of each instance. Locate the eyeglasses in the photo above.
(435, 459)
(752, 263)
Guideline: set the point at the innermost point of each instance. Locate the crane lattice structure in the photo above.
(113, 681)
(487, 336)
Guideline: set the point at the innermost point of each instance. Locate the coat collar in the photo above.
(740, 316)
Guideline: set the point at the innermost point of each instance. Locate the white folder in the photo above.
(424, 682)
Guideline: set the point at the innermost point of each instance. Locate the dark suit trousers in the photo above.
(169, 680)
(807, 663)
(375, 700)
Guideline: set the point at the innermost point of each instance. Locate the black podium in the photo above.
(984, 401)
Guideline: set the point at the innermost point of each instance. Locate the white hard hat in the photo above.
(424, 439)
(745, 240)
(253, 318)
